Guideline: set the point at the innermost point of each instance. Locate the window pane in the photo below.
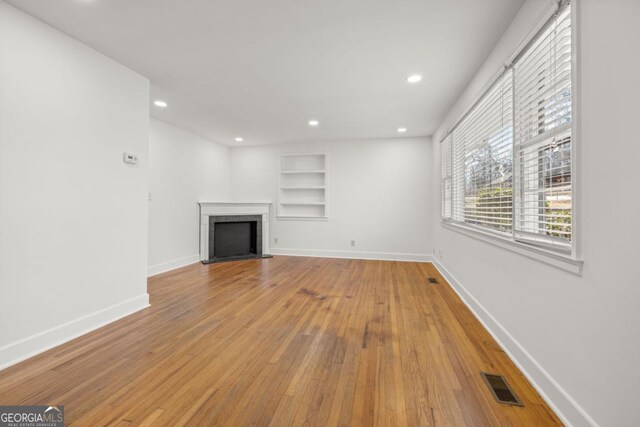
(483, 161)
(544, 206)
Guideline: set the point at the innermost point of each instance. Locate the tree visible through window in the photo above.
(489, 181)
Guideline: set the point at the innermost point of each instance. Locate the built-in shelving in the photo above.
(302, 191)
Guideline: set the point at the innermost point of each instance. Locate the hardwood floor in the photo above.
(283, 341)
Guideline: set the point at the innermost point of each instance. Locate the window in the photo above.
(543, 137)
(507, 164)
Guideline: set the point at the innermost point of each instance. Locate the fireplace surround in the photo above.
(233, 231)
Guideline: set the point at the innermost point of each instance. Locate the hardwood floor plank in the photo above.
(283, 341)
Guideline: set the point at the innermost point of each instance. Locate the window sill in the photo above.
(558, 260)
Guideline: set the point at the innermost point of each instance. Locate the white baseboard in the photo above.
(25, 348)
(556, 397)
(382, 256)
(171, 265)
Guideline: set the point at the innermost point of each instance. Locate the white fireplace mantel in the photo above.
(208, 209)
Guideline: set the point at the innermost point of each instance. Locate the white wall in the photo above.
(73, 216)
(184, 168)
(378, 195)
(578, 337)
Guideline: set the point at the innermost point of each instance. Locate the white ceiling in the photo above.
(261, 69)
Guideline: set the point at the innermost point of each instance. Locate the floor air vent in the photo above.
(500, 389)
(433, 280)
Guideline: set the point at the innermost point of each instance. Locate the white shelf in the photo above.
(302, 171)
(302, 203)
(303, 186)
(301, 218)
(301, 155)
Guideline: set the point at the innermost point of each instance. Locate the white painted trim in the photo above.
(171, 265)
(558, 260)
(576, 131)
(569, 411)
(302, 218)
(262, 203)
(25, 348)
(382, 256)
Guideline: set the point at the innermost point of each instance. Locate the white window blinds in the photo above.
(483, 146)
(446, 187)
(507, 164)
(543, 136)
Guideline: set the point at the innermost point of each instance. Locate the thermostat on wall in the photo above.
(132, 159)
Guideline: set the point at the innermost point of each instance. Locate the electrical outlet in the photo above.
(353, 243)
(150, 198)
(275, 240)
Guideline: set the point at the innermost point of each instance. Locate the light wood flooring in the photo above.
(286, 341)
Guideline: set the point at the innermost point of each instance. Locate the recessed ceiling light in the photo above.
(313, 123)
(402, 130)
(414, 78)
(238, 139)
(159, 103)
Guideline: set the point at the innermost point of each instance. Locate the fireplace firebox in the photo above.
(235, 237)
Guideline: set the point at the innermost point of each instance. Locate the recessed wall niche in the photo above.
(303, 186)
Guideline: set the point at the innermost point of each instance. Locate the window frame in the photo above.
(571, 260)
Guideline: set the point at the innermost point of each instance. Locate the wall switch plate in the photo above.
(130, 158)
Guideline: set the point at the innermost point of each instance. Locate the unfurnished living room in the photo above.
(319, 213)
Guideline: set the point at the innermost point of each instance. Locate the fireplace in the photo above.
(233, 231)
(235, 237)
